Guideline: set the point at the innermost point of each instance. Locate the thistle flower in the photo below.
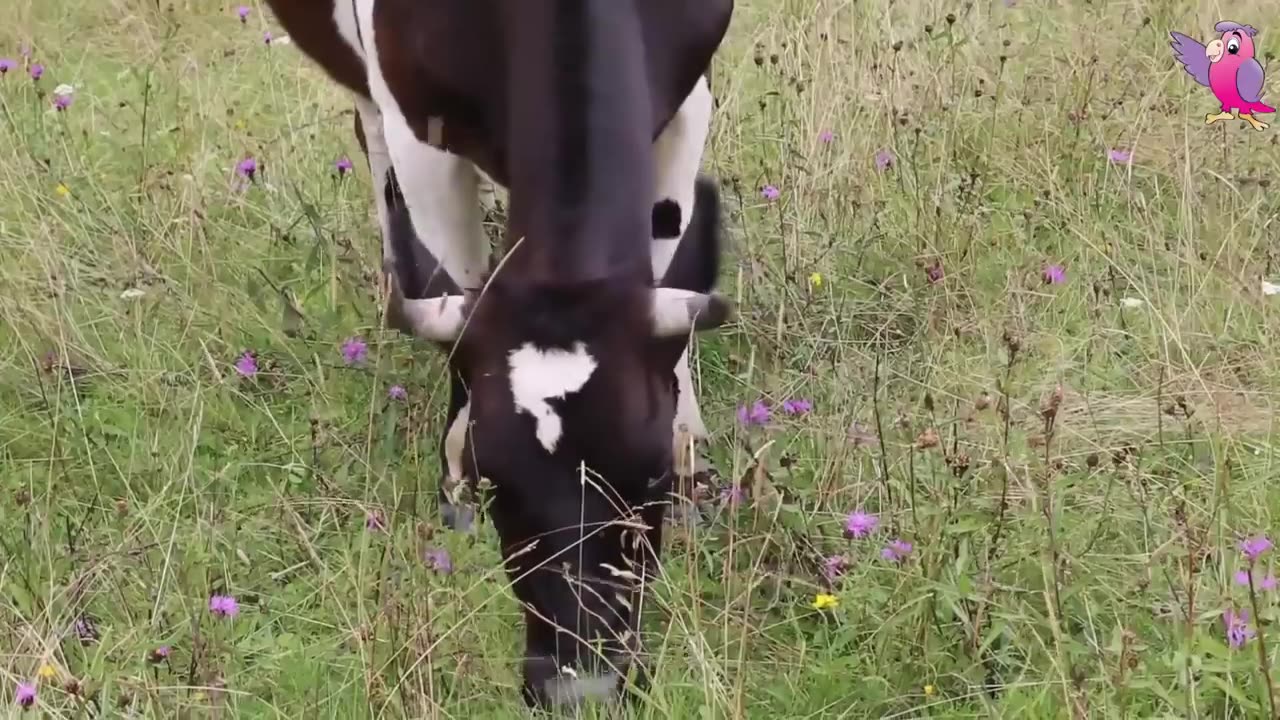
(248, 167)
(1120, 157)
(247, 365)
(6, 65)
(243, 12)
(884, 160)
(770, 192)
(396, 392)
(1254, 547)
(826, 137)
(896, 551)
(25, 695)
(1237, 625)
(1054, 274)
(224, 606)
(37, 70)
(860, 524)
(354, 350)
(343, 166)
(757, 414)
(796, 406)
(438, 559)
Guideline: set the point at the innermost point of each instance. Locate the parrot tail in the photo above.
(1264, 108)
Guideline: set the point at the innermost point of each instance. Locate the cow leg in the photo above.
(389, 202)
(679, 151)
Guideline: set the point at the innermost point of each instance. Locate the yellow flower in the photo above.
(47, 672)
(241, 124)
(62, 190)
(815, 279)
(929, 690)
(823, 601)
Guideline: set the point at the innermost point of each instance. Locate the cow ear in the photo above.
(677, 312)
(438, 319)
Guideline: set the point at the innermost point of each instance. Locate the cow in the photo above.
(420, 106)
(567, 355)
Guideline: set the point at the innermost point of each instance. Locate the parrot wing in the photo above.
(1249, 80)
(1190, 53)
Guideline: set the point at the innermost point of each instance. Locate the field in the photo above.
(1021, 284)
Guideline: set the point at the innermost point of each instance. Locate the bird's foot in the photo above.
(1256, 123)
(1212, 118)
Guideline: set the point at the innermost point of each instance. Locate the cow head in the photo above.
(571, 394)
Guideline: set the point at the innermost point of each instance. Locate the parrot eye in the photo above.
(1233, 46)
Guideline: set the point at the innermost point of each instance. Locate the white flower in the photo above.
(64, 89)
(1130, 302)
(1270, 288)
(132, 293)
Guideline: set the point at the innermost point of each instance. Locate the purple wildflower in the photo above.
(757, 414)
(826, 137)
(159, 654)
(37, 70)
(5, 66)
(1254, 547)
(266, 37)
(770, 192)
(896, 550)
(733, 494)
(438, 559)
(85, 630)
(373, 521)
(343, 165)
(25, 695)
(243, 12)
(62, 102)
(248, 167)
(833, 567)
(1242, 577)
(1238, 630)
(247, 365)
(796, 406)
(1123, 157)
(224, 606)
(860, 524)
(1054, 274)
(354, 350)
(396, 392)
(934, 273)
(1268, 583)
(884, 160)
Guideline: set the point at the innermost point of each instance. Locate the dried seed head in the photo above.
(983, 402)
(959, 464)
(897, 45)
(122, 507)
(22, 497)
(951, 18)
(1093, 460)
(927, 439)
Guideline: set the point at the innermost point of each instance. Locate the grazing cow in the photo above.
(427, 83)
(567, 354)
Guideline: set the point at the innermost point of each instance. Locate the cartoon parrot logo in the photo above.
(1227, 67)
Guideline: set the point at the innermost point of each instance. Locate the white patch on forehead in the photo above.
(538, 375)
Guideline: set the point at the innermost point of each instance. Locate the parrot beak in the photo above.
(1214, 50)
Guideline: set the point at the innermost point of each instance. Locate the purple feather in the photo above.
(1228, 26)
(1191, 54)
(1249, 81)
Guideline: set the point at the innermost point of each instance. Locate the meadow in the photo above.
(994, 427)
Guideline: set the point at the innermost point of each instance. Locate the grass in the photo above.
(1074, 463)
